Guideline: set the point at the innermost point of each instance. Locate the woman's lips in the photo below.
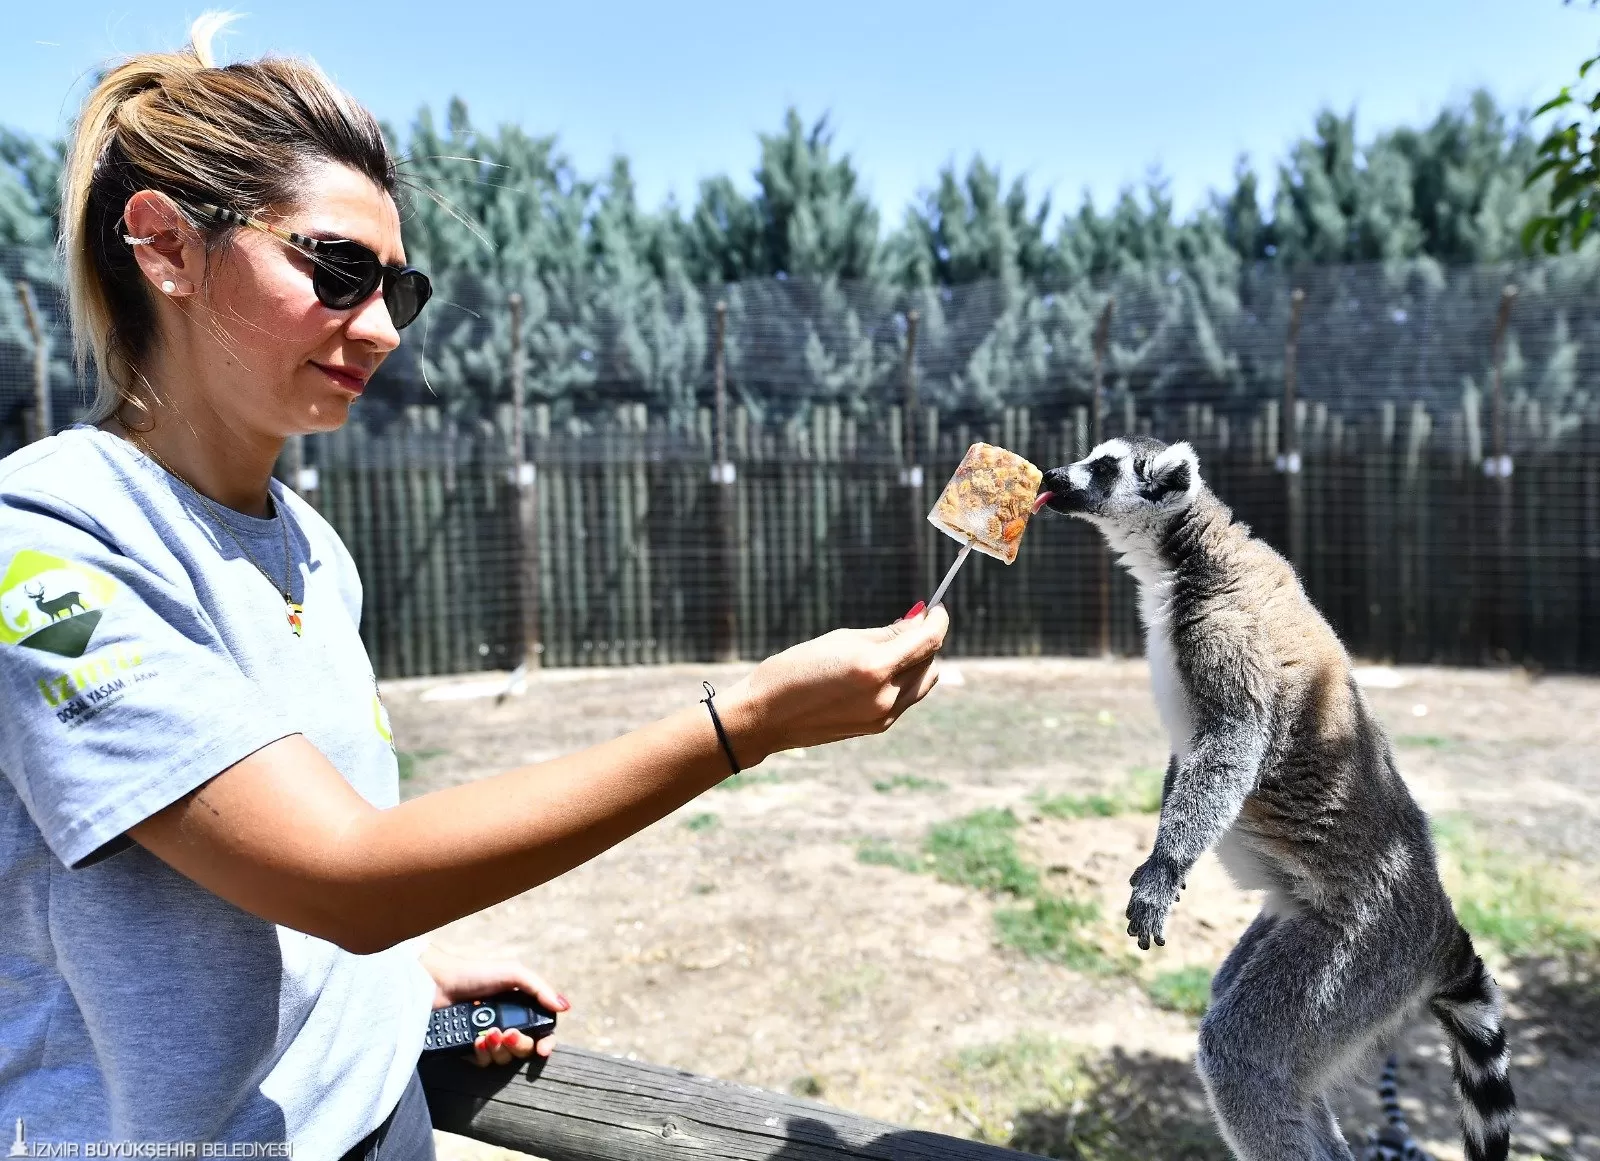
(349, 380)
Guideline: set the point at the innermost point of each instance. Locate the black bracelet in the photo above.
(722, 734)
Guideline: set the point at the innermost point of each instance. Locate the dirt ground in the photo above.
(744, 938)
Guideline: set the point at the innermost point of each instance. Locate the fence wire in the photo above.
(1434, 518)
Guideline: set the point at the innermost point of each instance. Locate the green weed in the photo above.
(750, 778)
(1520, 908)
(1052, 929)
(991, 1084)
(980, 851)
(1142, 795)
(1429, 741)
(876, 853)
(409, 760)
(907, 782)
(1081, 806)
(1186, 990)
(851, 987)
(699, 822)
(1054, 1099)
(1144, 792)
(806, 1086)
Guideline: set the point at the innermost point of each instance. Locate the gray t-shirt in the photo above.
(142, 653)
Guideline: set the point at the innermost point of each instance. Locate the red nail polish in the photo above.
(914, 610)
(492, 1039)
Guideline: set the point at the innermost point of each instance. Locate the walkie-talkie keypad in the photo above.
(459, 1024)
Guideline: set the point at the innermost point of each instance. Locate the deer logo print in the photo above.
(65, 603)
(51, 604)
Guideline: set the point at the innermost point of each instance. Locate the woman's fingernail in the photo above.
(914, 610)
(492, 1039)
(565, 1003)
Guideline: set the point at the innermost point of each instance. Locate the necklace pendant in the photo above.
(294, 614)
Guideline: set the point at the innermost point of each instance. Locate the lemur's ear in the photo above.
(1174, 472)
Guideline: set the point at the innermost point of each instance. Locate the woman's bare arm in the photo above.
(282, 835)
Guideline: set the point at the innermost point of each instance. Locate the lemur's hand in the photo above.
(1155, 888)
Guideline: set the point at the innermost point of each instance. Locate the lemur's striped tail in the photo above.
(1468, 1004)
(1393, 1142)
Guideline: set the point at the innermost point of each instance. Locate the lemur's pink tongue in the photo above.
(1044, 498)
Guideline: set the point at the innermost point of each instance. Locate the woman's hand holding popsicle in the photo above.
(843, 684)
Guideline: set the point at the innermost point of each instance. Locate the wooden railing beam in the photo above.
(585, 1106)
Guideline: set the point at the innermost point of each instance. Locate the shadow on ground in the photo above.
(1147, 1106)
(1143, 1106)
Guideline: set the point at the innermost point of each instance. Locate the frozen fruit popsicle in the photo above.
(988, 501)
(986, 505)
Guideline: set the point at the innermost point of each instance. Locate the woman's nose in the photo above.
(370, 323)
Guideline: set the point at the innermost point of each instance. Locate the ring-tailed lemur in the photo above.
(1278, 761)
(1392, 1142)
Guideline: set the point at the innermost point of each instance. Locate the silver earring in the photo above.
(132, 241)
(169, 286)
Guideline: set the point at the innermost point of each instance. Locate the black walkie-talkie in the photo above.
(459, 1025)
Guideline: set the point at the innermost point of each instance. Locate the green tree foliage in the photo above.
(971, 228)
(1451, 191)
(30, 172)
(618, 298)
(808, 216)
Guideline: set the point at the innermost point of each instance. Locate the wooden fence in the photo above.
(616, 545)
(584, 1106)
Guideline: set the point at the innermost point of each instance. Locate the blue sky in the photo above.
(1074, 95)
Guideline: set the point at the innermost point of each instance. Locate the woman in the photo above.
(214, 905)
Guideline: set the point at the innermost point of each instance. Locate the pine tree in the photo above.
(30, 200)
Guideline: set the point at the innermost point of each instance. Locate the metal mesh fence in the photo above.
(1446, 505)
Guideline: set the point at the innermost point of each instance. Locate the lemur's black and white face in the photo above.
(1126, 485)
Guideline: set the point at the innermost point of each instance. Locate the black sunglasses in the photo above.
(344, 273)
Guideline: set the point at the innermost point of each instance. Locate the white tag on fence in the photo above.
(1497, 467)
(724, 473)
(911, 477)
(525, 475)
(307, 481)
(1290, 463)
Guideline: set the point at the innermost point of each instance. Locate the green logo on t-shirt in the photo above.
(51, 604)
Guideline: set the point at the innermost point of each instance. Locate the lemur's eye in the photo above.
(1105, 466)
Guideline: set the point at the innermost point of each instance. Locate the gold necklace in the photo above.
(294, 610)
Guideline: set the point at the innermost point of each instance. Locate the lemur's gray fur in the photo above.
(1278, 762)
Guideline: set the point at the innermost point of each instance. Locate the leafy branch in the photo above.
(1570, 156)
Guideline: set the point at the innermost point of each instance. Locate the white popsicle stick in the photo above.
(938, 593)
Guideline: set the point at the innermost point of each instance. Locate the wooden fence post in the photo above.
(525, 479)
(43, 420)
(725, 619)
(1498, 468)
(1289, 438)
(911, 465)
(292, 469)
(1102, 339)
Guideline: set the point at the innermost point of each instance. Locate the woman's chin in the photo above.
(325, 415)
